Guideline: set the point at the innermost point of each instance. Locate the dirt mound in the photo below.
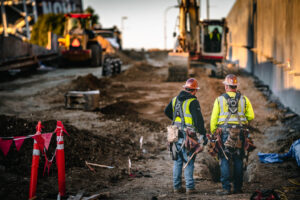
(125, 59)
(140, 71)
(89, 82)
(119, 108)
(80, 146)
(157, 54)
(134, 55)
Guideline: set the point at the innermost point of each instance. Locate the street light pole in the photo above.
(122, 30)
(207, 9)
(122, 22)
(165, 24)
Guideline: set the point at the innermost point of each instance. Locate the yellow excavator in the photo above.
(200, 43)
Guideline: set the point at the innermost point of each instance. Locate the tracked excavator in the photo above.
(200, 43)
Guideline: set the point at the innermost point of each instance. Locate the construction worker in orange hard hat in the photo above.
(231, 112)
(185, 113)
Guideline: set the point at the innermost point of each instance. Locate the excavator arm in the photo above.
(188, 25)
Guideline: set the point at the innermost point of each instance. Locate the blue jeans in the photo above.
(188, 171)
(225, 169)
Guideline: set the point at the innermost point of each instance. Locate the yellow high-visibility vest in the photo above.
(220, 111)
(218, 36)
(224, 112)
(186, 113)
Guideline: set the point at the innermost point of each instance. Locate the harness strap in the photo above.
(178, 108)
(237, 98)
(227, 119)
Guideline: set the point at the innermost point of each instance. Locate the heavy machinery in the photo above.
(199, 43)
(111, 63)
(79, 43)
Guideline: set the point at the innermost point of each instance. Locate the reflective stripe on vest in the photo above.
(224, 111)
(186, 112)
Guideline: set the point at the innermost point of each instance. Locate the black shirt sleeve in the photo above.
(197, 117)
(169, 111)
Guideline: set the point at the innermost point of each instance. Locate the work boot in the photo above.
(222, 192)
(179, 190)
(191, 191)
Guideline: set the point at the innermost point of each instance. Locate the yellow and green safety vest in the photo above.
(220, 112)
(186, 113)
(212, 34)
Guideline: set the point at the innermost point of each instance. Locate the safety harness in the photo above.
(216, 145)
(233, 142)
(233, 103)
(234, 114)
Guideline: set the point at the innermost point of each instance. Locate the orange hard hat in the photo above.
(230, 79)
(191, 83)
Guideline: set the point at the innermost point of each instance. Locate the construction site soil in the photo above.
(132, 106)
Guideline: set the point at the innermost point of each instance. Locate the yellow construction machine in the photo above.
(79, 43)
(200, 43)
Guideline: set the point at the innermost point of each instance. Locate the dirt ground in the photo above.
(131, 106)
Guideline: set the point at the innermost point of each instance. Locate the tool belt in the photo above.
(244, 134)
(237, 141)
(235, 138)
(216, 146)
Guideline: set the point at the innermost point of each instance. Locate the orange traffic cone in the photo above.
(35, 164)
(60, 159)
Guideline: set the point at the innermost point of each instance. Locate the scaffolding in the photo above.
(26, 9)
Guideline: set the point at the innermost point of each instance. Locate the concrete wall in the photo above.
(264, 37)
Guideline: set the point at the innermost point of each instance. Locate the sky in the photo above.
(144, 26)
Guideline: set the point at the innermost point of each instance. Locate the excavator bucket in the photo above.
(178, 66)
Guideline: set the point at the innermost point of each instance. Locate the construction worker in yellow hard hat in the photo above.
(184, 110)
(231, 112)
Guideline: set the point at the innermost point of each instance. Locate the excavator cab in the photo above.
(213, 43)
(212, 38)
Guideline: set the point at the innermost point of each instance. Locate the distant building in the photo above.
(13, 12)
(59, 6)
